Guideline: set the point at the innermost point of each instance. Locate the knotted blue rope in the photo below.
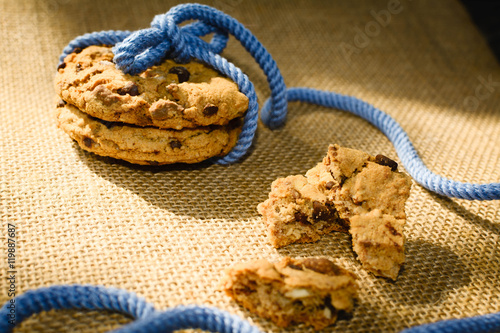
(136, 51)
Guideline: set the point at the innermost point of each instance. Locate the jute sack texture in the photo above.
(167, 233)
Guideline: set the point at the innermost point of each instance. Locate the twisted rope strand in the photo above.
(395, 133)
(184, 317)
(489, 323)
(110, 37)
(147, 319)
(85, 297)
(214, 17)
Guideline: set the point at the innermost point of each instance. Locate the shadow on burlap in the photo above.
(167, 233)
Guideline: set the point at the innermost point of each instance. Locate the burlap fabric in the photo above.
(167, 233)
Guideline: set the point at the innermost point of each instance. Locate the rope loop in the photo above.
(145, 48)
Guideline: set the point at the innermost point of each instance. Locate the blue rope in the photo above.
(136, 51)
(147, 319)
(489, 323)
(395, 133)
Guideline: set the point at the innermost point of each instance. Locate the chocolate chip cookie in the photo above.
(293, 291)
(146, 145)
(168, 95)
(349, 190)
(170, 113)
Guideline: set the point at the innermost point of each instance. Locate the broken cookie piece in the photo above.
(365, 183)
(378, 241)
(298, 212)
(348, 186)
(293, 291)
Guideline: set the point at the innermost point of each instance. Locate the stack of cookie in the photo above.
(169, 113)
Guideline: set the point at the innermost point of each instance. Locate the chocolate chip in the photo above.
(165, 109)
(245, 290)
(175, 144)
(333, 150)
(78, 67)
(367, 243)
(319, 210)
(108, 124)
(392, 230)
(386, 161)
(301, 218)
(321, 265)
(61, 103)
(182, 73)
(62, 65)
(324, 212)
(329, 185)
(210, 110)
(293, 266)
(130, 88)
(77, 50)
(87, 141)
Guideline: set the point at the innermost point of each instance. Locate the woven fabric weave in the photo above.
(167, 233)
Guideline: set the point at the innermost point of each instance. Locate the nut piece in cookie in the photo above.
(298, 212)
(293, 291)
